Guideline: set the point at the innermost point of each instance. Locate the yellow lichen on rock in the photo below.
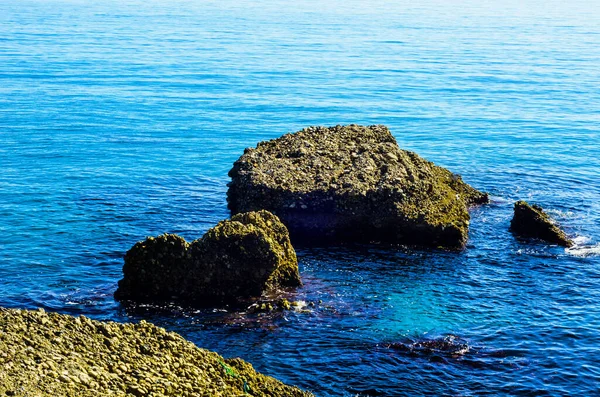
(353, 183)
(240, 257)
(47, 354)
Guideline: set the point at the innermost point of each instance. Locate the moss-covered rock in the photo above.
(238, 258)
(353, 183)
(155, 268)
(46, 354)
(531, 221)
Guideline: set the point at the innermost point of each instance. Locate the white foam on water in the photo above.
(560, 214)
(581, 240)
(299, 305)
(583, 248)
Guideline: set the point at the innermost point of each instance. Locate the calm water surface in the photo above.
(120, 120)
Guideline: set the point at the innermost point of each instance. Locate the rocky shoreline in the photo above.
(49, 354)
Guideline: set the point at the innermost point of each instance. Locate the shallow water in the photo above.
(120, 120)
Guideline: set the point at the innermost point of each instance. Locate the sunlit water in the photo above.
(120, 120)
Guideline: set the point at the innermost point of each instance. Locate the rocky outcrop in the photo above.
(238, 258)
(531, 221)
(353, 183)
(46, 354)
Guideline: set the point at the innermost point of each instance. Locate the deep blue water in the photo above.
(120, 120)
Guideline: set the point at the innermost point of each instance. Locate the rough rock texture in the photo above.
(531, 221)
(45, 354)
(353, 183)
(238, 258)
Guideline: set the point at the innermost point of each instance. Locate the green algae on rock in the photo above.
(531, 221)
(238, 258)
(48, 354)
(353, 183)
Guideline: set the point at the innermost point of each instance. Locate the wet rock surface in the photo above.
(47, 354)
(530, 221)
(450, 345)
(238, 258)
(353, 184)
(279, 305)
(452, 349)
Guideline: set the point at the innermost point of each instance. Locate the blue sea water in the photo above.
(121, 119)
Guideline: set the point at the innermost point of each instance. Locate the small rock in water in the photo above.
(449, 345)
(532, 222)
(284, 304)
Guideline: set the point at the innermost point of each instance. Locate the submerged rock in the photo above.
(353, 183)
(532, 222)
(279, 305)
(238, 258)
(47, 354)
(450, 345)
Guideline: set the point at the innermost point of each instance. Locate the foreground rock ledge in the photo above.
(238, 258)
(45, 354)
(353, 183)
(530, 221)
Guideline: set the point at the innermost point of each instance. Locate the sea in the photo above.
(121, 119)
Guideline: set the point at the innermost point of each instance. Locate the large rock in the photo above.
(353, 183)
(48, 354)
(238, 258)
(531, 221)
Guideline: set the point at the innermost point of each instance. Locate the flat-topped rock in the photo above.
(353, 184)
(531, 221)
(238, 258)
